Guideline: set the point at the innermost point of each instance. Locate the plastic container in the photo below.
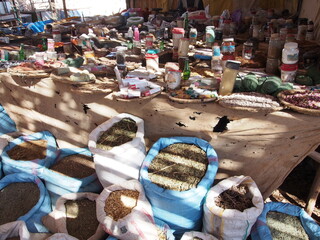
(247, 50)
(193, 35)
(183, 48)
(275, 46)
(288, 72)
(290, 53)
(120, 55)
(39, 57)
(173, 78)
(229, 77)
(152, 62)
(210, 36)
(177, 34)
(50, 43)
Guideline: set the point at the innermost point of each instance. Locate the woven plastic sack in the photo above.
(43, 206)
(122, 162)
(231, 224)
(7, 125)
(182, 211)
(61, 236)
(199, 235)
(56, 221)
(34, 166)
(261, 231)
(14, 229)
(137, 225)
(58, 184)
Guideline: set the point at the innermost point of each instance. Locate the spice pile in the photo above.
(178, 167)
(29, 150)
(82, 220)
(284, 226)
(120, 203)
(121, 132)
(76, 166)
(237, 197)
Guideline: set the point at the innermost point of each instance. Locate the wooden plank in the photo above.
(314, 193)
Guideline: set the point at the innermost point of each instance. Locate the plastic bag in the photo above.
(231, 223)
(56, 221)
(201, 235)
(182, 211)
(139, 224)
(261, 231)
(123, 162)
(43, 206)
(34, 166)
(58, 184)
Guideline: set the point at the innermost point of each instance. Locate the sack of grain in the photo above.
(14, 229)
(14, 205)
(125, 213)
(226, 219)
(29, 153)
(284, 221)
(7, 125)
(119, 148)
(176, 186)
(197, 235)
(75, 215)
(72, 171)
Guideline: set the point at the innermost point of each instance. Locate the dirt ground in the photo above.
(295, 189)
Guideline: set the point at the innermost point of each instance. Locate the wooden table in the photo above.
(264, 146)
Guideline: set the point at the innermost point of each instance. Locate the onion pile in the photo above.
(305, 99)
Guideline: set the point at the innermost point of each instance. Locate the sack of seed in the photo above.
(72, 171)
(125, 213)
(197, 236)
(232, 207)
(24, 197)
(176, 175)
(75, 215)
(119, 148)
(29, 153)
(284, 221)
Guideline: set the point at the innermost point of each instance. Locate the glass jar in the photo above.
(193, 35)
(275, 46)
(229, 77)
(247, 50)
(120, 55)
(210, 36)
(272, 66)
(290, 53)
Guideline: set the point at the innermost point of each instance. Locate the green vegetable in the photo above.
(304, 80)
(237, 84)
(282, 87)
(250, 83)
(77, 62)
(271, 85)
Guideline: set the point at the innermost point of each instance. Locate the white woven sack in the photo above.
(14, 229)
(231, 224)
(61, 236)
(201, 235)
(122, 162)
(138, 225)
(56, 221)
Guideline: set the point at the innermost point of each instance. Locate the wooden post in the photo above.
(16, 11)
(65, 9)
(315, 188)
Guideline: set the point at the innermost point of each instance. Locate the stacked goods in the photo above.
(250, 101)
(304, 101)
(284, 221)
(125, 213)
(15, 206)
(29, 153)
(75, 214)
(232, 207)
(176, 175)
(118, 146)
(73, 171)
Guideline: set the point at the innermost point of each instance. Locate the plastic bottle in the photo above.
(74, 32)
(186, 70)
(216, 63)
(136, 34)
(22, 54)
(166, 34)
(229, 77)
(193, 35)
(130, 33)
(310, 31)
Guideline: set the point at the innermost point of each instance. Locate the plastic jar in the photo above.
(275, 45)
(210, 36)
(173, 78)
(50, 44)
(193, 35)
(229, 77)
(177, 33)
(183, 49)
(120, 55)
(247, 50)
(290, 53)
(152, 62)
(288, 72)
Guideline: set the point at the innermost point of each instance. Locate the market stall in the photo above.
(265, 146)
